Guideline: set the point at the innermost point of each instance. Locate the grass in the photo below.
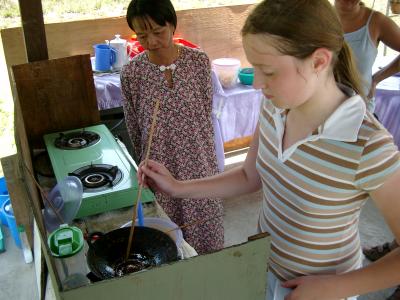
(67, 10)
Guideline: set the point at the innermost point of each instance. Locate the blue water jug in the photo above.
(105, 56)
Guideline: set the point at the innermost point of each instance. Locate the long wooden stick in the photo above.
(139, 194)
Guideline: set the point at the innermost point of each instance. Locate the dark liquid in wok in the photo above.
(136, 262)
(151, 247)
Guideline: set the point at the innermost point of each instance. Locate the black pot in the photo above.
(150, 247)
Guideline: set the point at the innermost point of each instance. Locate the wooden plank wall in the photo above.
(216, 30)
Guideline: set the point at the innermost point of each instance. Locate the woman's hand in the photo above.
(157, 177)
(311, 288)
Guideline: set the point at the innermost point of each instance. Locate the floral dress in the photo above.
(183, 138)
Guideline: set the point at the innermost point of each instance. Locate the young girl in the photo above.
(180, 77)
(317, 154)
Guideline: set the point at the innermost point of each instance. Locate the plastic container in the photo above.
(246, 76)
(227, 70)
(50, 218)
(12, 225)
(66, 244)
(26, 249)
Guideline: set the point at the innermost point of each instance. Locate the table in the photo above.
(387, 99)
(235, 110)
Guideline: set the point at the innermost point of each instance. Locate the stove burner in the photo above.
(95, 180)
(98, 177)
(76, 140)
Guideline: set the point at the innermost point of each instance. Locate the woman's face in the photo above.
(153, 37)
(346, 5)
(287, 81)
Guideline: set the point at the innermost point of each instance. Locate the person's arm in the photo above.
(388, 33)
(237, 181)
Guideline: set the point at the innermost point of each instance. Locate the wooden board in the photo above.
(34, 33)
(56, 95)
(234, 273)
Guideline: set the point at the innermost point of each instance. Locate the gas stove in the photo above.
(107, 172)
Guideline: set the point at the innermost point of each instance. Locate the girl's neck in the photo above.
(320, 106)
(165, 56)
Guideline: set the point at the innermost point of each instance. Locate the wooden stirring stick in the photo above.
(139, 194)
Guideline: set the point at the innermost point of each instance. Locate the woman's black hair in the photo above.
(160, 11)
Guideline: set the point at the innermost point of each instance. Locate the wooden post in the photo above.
(33, 27)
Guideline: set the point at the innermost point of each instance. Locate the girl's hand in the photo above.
(311, 288)
(157, 177)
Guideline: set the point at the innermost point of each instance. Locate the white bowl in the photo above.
(163, 225)
(227, 70)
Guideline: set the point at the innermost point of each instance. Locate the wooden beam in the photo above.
(237, 144)
(33, 27)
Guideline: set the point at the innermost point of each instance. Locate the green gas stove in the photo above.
(99, 160)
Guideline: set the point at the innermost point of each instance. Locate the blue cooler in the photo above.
(3, 198)
(6, 209)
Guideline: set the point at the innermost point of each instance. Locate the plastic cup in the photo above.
(105, 57)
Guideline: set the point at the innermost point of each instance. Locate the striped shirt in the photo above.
(314, 190)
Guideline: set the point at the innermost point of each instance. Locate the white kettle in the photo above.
(120, 46)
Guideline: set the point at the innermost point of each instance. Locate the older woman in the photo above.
(180, 77)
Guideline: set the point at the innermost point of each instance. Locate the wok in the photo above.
(150, 247)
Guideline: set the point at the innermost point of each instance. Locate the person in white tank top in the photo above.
(364, 28)
(362, 23)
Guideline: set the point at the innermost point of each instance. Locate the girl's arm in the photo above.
(237, 181)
